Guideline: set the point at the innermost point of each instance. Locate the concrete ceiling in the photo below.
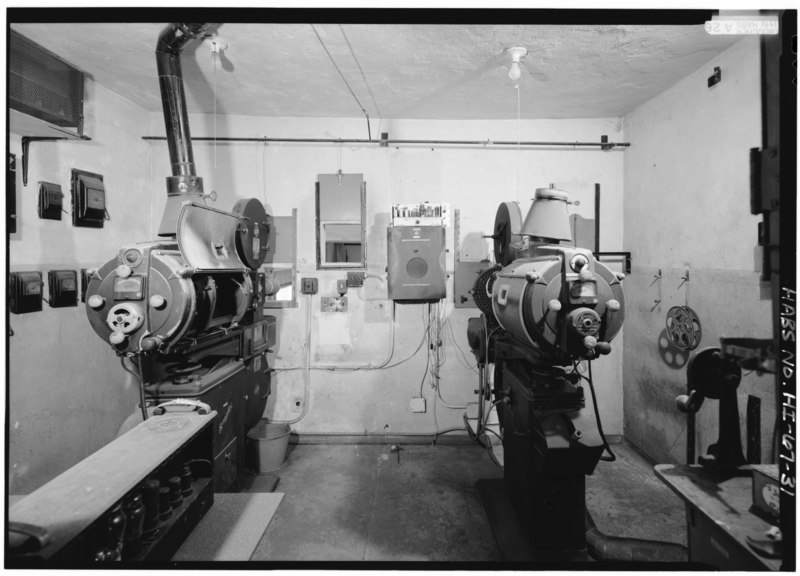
(427, 71)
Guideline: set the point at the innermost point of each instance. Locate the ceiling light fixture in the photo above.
(516, 53)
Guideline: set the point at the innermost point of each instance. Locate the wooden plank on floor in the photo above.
(231, 530)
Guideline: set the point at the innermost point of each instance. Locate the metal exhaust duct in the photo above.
(184, 184)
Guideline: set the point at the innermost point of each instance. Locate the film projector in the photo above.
(546, 306)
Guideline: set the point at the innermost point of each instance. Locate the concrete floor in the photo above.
(359, 503)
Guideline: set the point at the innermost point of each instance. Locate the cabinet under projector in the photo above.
(416, 262)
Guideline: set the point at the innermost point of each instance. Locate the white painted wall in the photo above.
(687, 207)
(474, 181)
(67, 392)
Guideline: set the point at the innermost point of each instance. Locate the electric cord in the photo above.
(611, 456)
(463, 356)
(354, 368)
(139, 377)
(357, 368)
(306, 372)
(443, 432)
(425, 375)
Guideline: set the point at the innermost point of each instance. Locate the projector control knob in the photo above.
(554, 305)
(117, 338)
(151, 343)
(613, 305)
(123, 271)
(96, 301)
(590, 342)
(603, 348)
(585, 274)
(157, 301)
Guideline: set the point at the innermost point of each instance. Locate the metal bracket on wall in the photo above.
(26, 143)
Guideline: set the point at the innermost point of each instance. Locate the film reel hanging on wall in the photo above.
(684, 330)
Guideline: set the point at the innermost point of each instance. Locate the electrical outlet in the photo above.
(333, 304)
(296, 404)
(417, 404)
(308, 285)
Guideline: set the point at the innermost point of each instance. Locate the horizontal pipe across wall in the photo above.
(444, 437)
(483, 143)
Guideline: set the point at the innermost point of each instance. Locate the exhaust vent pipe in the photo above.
(620, 549)
(184, 184)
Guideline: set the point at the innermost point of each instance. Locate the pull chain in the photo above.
(214, 58)
(519, 138)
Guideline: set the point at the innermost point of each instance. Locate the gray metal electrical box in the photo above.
(416, 263)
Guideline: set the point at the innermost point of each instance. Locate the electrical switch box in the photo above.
(417, 404)
(25, 292)
(308, 285)
(84, 283)
(88, 199)
(341, 286)
(63, 286)
(50, 201)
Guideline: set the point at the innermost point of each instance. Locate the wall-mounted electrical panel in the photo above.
(25, 292)
(416, 261)
(425, 214)
(355, 279)
(88, 199)
(63, 287)
(51, 202)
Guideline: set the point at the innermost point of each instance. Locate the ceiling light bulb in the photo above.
(516, 54)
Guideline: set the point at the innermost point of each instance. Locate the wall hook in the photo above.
(656, 277)
(684, 279)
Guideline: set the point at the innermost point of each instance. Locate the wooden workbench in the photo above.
(718, 518)
(70, 504)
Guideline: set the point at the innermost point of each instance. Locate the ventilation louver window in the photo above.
(42, 85)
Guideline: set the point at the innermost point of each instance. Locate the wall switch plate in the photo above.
(417, 404)
(333, 304)
(308, 285)
(341, 286)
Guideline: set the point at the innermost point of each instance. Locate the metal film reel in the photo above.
(482, 292)
(683, 328)
(507, 233)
